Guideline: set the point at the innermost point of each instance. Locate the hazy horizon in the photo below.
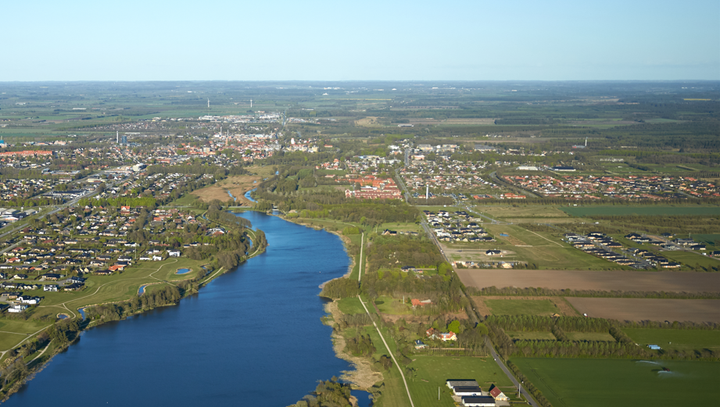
(320, 40)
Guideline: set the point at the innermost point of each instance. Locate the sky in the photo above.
(134, 40)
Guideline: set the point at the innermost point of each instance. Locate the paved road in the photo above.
(509, 374)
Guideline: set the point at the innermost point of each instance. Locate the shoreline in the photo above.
(363, 377)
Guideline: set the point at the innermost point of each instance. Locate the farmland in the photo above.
(592, 280)
(621, 382)
(522, 307)
(620, 210)
(678, 339)
(639, 309)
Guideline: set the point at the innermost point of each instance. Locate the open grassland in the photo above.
(542, 249)
(522, 307)
(351, 306)
(389, 305)
(622, 383)
(14, 331)
(521, 211)
(640, 309)
(592, 280)
(678, 339)
(620, 210)
(236, 185)
(431, 372)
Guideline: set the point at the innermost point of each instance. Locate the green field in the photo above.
(521, 307)
(431, 372)
(521, 211)
(389, 305)
(350, 306)
(620, 210)
(679, 339)
(622, 383)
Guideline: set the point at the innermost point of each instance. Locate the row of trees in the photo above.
(539, 291)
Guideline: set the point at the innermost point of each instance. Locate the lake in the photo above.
(252, 337)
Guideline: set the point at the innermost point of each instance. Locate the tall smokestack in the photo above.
(427, 192)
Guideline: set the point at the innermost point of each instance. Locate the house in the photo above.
(478, 401)
(448, 336)
(174, 253)
(417, 303)
(654, 347)
(17, 308)
(493, 252)
(432, 333)
(50, 287)
(497, 394)
(420, 344)
(26, 299)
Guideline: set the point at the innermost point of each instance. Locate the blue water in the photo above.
(247, 195)
(182, 271)
(252, 337)
(231, 196)
(141, 291)
(82, 312)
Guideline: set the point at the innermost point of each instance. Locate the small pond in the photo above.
(182, 271)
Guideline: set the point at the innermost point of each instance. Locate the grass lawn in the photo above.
(590, 336)
(531, 335)
(680, 339)
(622, 383)
(522, 307)
(12, 331)
(350, 306)
(389, 305)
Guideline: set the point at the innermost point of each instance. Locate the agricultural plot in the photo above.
(622, 383)
(531, 336)
(522, 211)
(522, 307)
(677, 339)
(640, 309)
(431, 372)
(592, 280)
(620, 210)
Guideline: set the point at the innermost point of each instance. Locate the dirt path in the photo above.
(363, 377)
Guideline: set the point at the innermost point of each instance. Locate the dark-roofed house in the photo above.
(464, 391)
(478, 401)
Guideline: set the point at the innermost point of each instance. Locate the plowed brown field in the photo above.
(592, 280)
(640, 309)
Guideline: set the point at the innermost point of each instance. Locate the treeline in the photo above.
(330, 393)
(116, 311)
(537, 291)
(30, 202)
(622, 347)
